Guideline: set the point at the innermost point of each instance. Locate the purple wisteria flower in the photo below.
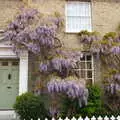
(115, 50)
(22, 32)
(113, 88)
(117, 76)
(44, 68)
(72, 88)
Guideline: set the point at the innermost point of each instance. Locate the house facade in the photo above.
(17, 73)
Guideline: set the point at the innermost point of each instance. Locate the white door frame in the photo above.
(7, 53)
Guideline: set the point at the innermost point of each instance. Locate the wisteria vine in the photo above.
(108, 49)
(38, 34)
(24, 34)
(72, 88)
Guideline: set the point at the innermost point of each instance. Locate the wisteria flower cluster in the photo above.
(117, 76)
(115, 50)
(110, 43)
(113, 88)
(88, 37)
(63, 67)
(108, 50)
(70, 54)
(72, 88)
(24, 33)
(113, 84)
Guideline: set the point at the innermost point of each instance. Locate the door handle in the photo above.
(9, 87)
(9, 76)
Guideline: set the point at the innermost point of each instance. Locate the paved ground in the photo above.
(8, 115)
(7, 118)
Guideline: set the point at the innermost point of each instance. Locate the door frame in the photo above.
(7, 53)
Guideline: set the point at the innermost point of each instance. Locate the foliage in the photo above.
(107, 49)
(74, 89)
(94, 102)
(61, 66)
(28, 31)
(71, 107)
(33, 31)
(88, 37)
(38, 34)
(30, 106)
(110, 35)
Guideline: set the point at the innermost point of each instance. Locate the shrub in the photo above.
(29, 106)
(71, 107)
(94, 102)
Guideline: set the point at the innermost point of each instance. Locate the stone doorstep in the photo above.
(7, 115)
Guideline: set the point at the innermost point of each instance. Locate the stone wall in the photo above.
(105, 15)
(105, 18)
(8, 8)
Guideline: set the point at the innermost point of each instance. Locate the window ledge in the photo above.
(67, 32)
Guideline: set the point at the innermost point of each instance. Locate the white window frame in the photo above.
(66, 17)
(86, 70)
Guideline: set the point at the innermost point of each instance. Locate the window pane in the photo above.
(84, 68)
(89, 57)
(78, 9)
(88, 9)
(85, 20)
(72, 24)
(83, 58)
(89, 81)
(82, 65)
(71, 9)
(77, 65)
(82, 73)
(15, 63)
(76, 24)
(4, 63)
(84, 9)
(78, 16)
(77, 73)
(89, 74)
(89, 66)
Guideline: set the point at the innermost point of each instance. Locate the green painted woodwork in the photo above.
(9, 83)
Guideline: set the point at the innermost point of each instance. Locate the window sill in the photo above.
(67, 32)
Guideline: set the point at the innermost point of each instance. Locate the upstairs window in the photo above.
(78, 16)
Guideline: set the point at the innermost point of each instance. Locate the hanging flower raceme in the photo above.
(88, 37)
(44, 68)
(113, 84)
(113, 88)
(45, 36)
(72, 88)
(60, 63)
(61, 66)
(115, 50)
(28, 30)
(117, 76)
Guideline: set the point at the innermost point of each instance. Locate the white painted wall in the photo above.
(6, 52)
(23, 72)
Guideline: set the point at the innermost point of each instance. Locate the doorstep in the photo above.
(8, 115)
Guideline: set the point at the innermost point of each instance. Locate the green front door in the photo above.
(9, 78)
